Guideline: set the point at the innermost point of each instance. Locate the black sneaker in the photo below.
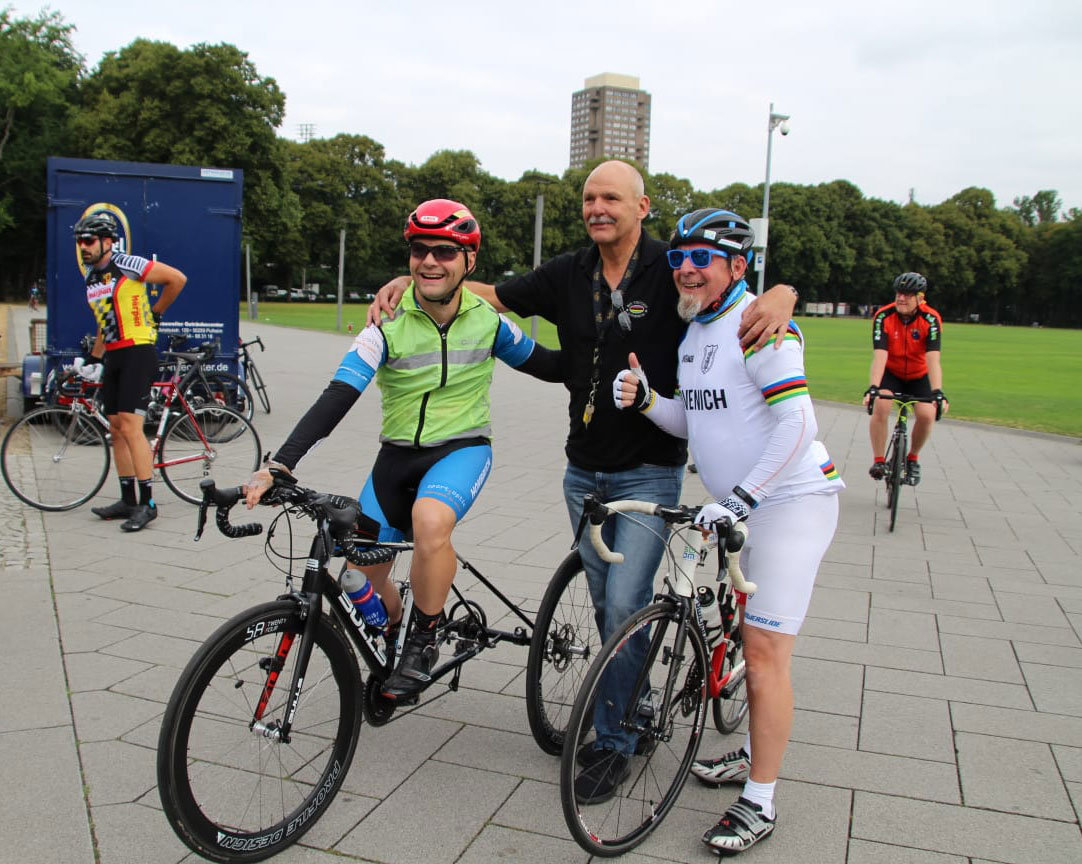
(878, 470)
(116, 510)
(741, 827)
(912, 472)
(141, 516)
(731, 768)
(599, 781)
(414, 672)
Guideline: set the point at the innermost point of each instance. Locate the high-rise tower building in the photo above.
(610, 116)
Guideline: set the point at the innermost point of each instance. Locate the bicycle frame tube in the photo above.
(686, 562)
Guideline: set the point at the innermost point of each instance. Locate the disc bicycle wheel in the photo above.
(236, 791)
(222, 388)
(210, 442)
(564, 642)
(55, 458)
(258, 385)
(626, 689)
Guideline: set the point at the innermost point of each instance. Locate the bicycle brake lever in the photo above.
(201, 520)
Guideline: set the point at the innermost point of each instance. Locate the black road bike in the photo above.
(263, 722)
(895, 476)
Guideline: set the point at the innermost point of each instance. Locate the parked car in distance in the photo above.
(273, 292)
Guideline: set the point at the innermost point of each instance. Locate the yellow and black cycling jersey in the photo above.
(117, 294)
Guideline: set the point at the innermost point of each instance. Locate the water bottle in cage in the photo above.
(712, 616)
(365, 599)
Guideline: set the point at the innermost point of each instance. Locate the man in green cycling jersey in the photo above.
(433, 362)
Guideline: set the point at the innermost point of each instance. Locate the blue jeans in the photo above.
(620, 590)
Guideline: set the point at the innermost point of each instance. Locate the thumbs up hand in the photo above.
(630, 386)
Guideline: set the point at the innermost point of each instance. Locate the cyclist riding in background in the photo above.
(116, 289)
(751, 427)
(906, 336)
(433, 362)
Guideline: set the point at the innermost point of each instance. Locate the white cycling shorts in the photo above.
(786, 542)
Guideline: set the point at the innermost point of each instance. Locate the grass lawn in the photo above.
(1009, 376)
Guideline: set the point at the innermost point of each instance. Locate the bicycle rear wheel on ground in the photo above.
(565, 641)
(260, 388)
(237, 793)
(731, 706)
(55, 458)
(668, 738)
(221, 388)
(210, 442)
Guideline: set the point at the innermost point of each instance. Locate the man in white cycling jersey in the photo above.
(751, 430)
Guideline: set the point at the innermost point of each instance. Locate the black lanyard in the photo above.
(603, 321)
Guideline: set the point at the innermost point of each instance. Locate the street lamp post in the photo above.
(774, 121)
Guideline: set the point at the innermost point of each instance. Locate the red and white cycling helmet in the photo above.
(444, 219)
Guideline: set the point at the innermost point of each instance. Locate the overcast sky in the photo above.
(931, 96)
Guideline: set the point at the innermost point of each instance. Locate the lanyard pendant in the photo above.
(588, 414)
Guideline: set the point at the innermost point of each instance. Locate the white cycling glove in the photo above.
(643, 394)
(731, 510)
(87, 371)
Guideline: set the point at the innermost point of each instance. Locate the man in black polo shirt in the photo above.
(607, 300)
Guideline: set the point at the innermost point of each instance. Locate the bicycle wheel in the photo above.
(237, 792)
(642, 652)
(222, 388)
(55, 459)
(210, 442)
(257, 385)
(895, 476)
(732, 705)
(564, 642)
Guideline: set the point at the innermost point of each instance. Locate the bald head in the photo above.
(615, 172)
(614, 203)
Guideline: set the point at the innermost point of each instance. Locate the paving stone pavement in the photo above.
(938, 680)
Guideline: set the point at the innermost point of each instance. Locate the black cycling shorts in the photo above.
(912, 387)
(402, 474)
(127, 378)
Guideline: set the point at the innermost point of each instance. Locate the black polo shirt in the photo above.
(561, 291)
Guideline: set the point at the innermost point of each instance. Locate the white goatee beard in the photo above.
(687, 307)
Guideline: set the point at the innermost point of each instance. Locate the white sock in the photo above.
(746, 747)
(761, 794)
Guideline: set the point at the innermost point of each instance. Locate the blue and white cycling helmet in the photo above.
(721, 228)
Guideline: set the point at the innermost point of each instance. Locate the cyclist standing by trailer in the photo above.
(906, 337)
(433, 362)
(750, 425)
(127, 331)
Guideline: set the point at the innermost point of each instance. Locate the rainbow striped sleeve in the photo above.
(829, 471)
(792, 334)
(787, 388)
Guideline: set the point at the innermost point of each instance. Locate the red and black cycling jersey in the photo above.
(907, 341)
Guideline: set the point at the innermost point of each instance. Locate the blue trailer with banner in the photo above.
(186, 216)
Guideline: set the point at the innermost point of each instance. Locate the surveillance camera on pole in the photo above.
(774, 121)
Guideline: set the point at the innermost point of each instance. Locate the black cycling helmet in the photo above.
(97, 225)
(910, 283)
(721, 228)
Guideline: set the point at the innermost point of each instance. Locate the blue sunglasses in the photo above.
(699, 257)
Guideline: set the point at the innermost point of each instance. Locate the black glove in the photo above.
(157, 316)
(872, 393)
(940, 397)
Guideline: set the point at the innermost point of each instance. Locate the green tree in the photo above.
(207, 105)
(346, 182)
(39, 73)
